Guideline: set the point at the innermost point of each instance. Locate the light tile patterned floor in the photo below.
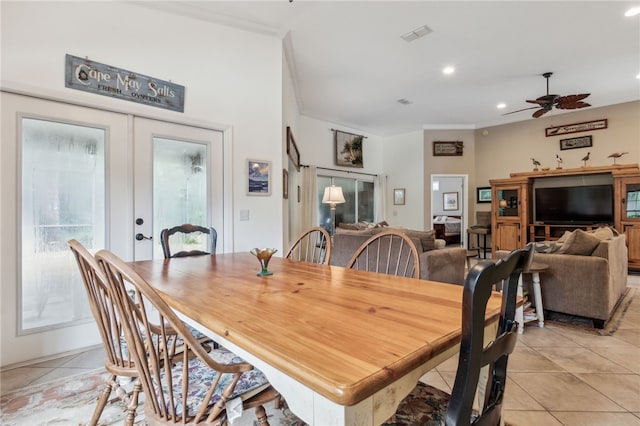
(557, 376)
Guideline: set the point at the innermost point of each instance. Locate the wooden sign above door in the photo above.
(106, 80)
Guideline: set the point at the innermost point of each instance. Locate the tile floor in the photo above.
(556, 376)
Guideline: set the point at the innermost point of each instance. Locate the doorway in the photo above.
(100, 177)
(449, 195)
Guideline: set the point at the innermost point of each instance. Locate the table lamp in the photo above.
(332, 196)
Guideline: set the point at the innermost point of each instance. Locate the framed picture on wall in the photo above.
(450, 201)
(398, 196)
(285, 184)
(483, 194)
(292, 149)
(258, 177)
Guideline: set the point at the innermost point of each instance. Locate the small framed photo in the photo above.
(484, 194)
(398, 196)
(285, 184)
(258, 177)
(450, 201)
(292, 149)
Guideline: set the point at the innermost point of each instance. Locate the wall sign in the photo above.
(576, 128)
(106, 80)
(579, 142)
(447, 148)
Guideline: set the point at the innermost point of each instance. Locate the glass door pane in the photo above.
(63, 197)
(179, 191)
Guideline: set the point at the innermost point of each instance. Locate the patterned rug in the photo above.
(586, 324)
(71, 401)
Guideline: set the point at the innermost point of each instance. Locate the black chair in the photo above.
(426, 405)
(185, 231)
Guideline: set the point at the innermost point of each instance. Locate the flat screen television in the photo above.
(574, 204)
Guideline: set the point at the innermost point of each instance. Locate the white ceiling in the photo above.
(350, 65)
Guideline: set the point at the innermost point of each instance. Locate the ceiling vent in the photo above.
(417, 33)
(404, 101)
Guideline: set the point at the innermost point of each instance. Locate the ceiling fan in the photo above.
(547, 102)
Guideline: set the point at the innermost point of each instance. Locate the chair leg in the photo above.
(133, 403)
(261, 416)
(102, 401)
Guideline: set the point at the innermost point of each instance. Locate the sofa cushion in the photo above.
(580, 243)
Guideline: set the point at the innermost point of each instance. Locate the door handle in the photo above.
(140, 237)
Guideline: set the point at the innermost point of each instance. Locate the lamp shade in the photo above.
(333, 195)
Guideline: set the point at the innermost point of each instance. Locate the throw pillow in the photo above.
(564, 237)
(427, 238)
(580, 243)
(604, 233)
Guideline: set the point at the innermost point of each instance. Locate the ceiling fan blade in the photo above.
(572, 98)
(573, 105)
(540, 113)
(520, 110)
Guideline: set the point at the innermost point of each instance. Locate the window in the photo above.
(359, 202)
(633, 201)
(63, 197)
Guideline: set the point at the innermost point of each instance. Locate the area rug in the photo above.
(71, 401)
(586, 324)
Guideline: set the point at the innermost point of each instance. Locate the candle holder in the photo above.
(264, 256)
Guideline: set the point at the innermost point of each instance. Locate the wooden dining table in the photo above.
(343, 347)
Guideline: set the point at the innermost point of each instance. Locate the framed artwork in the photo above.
(579, 142)
(398, 196)
(441, 149)
(285, 184)
(450, 201)
(483, 194)
(258, 177)
(348, 149)
(292, 149)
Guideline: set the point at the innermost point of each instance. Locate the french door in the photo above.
(91, 175)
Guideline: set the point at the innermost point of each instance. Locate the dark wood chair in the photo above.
(185, 231)
(388, 252)
(188, 388)
(426, 405)
(118, 361)
(314, 245)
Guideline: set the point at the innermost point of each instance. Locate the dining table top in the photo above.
(343, 333)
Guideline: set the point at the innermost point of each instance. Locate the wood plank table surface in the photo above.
(342, 346)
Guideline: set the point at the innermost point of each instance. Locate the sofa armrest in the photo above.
(444, 265)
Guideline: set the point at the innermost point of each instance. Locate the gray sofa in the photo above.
(588, 285)
(444, 265)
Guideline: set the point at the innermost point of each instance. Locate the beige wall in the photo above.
(501, 150)
(495, 152)
(463, 165)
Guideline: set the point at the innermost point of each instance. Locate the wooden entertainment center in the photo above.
(512, 220)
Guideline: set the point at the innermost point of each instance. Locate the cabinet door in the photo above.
(632, 233)
(507, 236)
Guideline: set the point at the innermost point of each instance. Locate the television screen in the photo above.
(576, 204)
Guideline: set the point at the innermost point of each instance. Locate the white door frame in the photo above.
(465, 203)
(21, 354)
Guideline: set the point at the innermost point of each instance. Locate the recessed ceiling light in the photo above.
(417, 33)
(638, 76)
(633, 11)
(501, 105)
(448, 70)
